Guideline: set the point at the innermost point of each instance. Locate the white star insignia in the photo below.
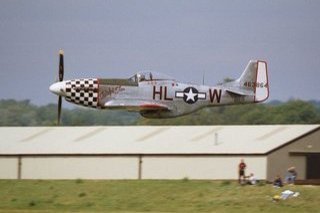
(190, 95)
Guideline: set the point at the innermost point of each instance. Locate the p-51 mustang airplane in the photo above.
(156, 95)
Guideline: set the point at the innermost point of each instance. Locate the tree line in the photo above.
(24, 113)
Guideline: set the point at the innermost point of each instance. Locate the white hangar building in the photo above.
(158, 152)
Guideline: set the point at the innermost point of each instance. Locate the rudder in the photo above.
(262, 82)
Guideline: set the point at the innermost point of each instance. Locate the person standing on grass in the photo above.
(241, 169)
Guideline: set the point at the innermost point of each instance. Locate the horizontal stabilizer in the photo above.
(240, 92)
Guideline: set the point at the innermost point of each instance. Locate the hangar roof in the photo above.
(149, 139)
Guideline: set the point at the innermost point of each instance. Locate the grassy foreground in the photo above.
(152, 196)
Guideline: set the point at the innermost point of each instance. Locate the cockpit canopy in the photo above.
(149, 76)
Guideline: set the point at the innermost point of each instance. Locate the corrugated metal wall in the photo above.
(79, 167)
(129, 167)
(9, 167)
(198, 167)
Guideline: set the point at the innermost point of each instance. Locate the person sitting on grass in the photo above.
(252, 180)
(277, 181)
(291, 175)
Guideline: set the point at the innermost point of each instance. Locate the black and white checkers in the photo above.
(83, 92)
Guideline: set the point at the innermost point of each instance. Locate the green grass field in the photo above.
(151, 196)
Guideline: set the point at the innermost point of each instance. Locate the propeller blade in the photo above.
(61, 74)
(59, 109)
(61, 67)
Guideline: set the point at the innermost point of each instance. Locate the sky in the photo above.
(184, 39)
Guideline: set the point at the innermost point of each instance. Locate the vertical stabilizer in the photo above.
(255, 79)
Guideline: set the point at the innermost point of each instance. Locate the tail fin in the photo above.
(255, 79)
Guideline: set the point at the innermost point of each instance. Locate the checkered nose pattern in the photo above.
(83, 92)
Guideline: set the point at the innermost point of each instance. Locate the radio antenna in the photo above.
(203, 78)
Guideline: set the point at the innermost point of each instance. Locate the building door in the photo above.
(313, 166)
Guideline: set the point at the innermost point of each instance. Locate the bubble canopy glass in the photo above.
(149, 76)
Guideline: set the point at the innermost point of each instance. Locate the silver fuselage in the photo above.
(160, 96)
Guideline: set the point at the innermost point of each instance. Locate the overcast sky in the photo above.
(183, 39)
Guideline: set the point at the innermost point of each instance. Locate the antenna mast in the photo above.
(203, 78)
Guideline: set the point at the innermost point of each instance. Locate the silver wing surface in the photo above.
(136, 105)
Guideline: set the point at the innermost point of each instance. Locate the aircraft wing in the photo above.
(136, 105)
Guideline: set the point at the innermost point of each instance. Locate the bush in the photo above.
(32, 203)
(185, 179)
(79, 181)
(225, 183)
(82, 194)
